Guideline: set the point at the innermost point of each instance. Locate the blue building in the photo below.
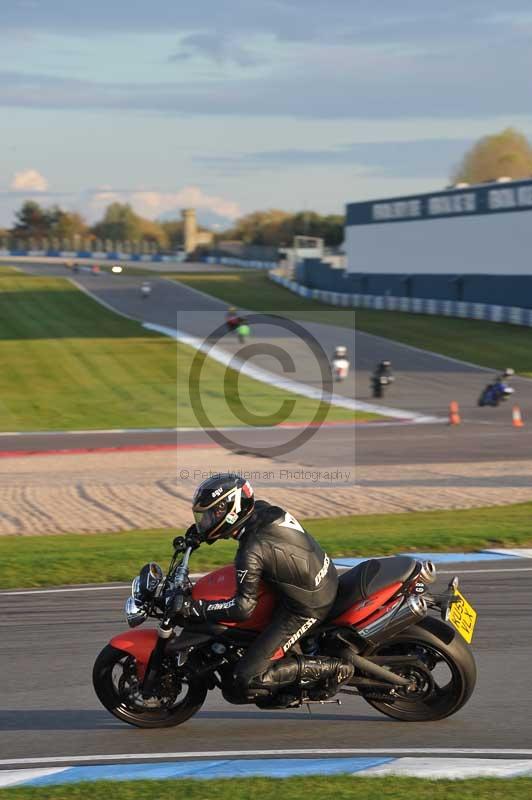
(472, 244)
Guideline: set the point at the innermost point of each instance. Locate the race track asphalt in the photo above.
(49, 641)
(425, 384)
(48, 708)
(363, 444)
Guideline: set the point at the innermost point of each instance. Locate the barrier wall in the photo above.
(94, 256)
(513, 315)
(508, 290)
(154, 257)
(234, 261)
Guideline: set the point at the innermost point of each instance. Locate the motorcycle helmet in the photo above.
(508, 372)
(340, 351)
(231, 310)
(385, 364)
(221, 504)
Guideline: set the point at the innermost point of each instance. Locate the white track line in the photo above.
(228, 428)
(423, 351)
(264, 376)
(415, 349)
(479, 571)
(102, 302)
(354, 751)
(200, 575)
(226, 358)
(103, 430)
(60, 591)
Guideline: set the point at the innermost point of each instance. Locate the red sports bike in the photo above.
(409, 665)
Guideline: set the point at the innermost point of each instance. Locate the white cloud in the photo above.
(153, 204)
(28, 180)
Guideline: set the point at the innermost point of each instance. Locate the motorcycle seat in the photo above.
(367, 578)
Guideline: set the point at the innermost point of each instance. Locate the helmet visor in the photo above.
(209, 520)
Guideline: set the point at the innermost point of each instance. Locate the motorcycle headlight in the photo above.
(135, 612)
(148, 581)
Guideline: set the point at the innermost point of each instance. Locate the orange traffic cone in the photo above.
(454, 413)
(517, 419)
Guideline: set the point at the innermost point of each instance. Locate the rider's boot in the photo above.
(308, 670)
(335, 671)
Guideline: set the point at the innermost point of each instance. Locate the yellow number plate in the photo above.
(463, 617)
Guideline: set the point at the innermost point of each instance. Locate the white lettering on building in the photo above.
(524, 196)
(463, 203)
(501, 198)
(397, 209)
(480, 200)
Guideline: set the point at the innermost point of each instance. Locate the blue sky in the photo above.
(239, 104)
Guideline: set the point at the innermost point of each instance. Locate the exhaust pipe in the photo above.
(378, 672)
(411, 610)
(427, 573)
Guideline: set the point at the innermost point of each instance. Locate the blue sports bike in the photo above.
(499, 390)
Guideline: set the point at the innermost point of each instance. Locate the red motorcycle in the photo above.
(409, 665)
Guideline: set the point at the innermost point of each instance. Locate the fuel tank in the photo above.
(221, 585)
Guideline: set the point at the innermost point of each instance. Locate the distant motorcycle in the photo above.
(243, 331)
(498, 391)
(145, 290)
(378, 384)
(232, 319)
(381, 378)
(340, 363)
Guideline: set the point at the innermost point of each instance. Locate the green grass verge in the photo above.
(319, 787)
(489, 344)
(67, 363)
(34, 561)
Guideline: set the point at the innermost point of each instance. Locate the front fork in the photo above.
(166, 628)
(164, 633)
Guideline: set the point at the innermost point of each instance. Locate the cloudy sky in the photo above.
(233, 105)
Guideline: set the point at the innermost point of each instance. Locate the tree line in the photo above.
(35, 223)
(507, 154)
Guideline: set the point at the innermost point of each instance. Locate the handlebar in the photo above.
(176, 587)
(179, 544)
(181, 573)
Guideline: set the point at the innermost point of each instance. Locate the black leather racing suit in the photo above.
(275, 548)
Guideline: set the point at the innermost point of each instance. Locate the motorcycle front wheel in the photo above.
(115, 682)
(444, 674)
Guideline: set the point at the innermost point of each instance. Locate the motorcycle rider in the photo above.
(381, 377)
(383, 369)
(504, 375)
(499, 389)
(272, 547)
(232, 320)
(340, 362)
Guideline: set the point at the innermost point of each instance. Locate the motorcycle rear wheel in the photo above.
(113, 678)
(439, 695)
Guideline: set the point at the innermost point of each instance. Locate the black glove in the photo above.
(192, 537)
(193, 610)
